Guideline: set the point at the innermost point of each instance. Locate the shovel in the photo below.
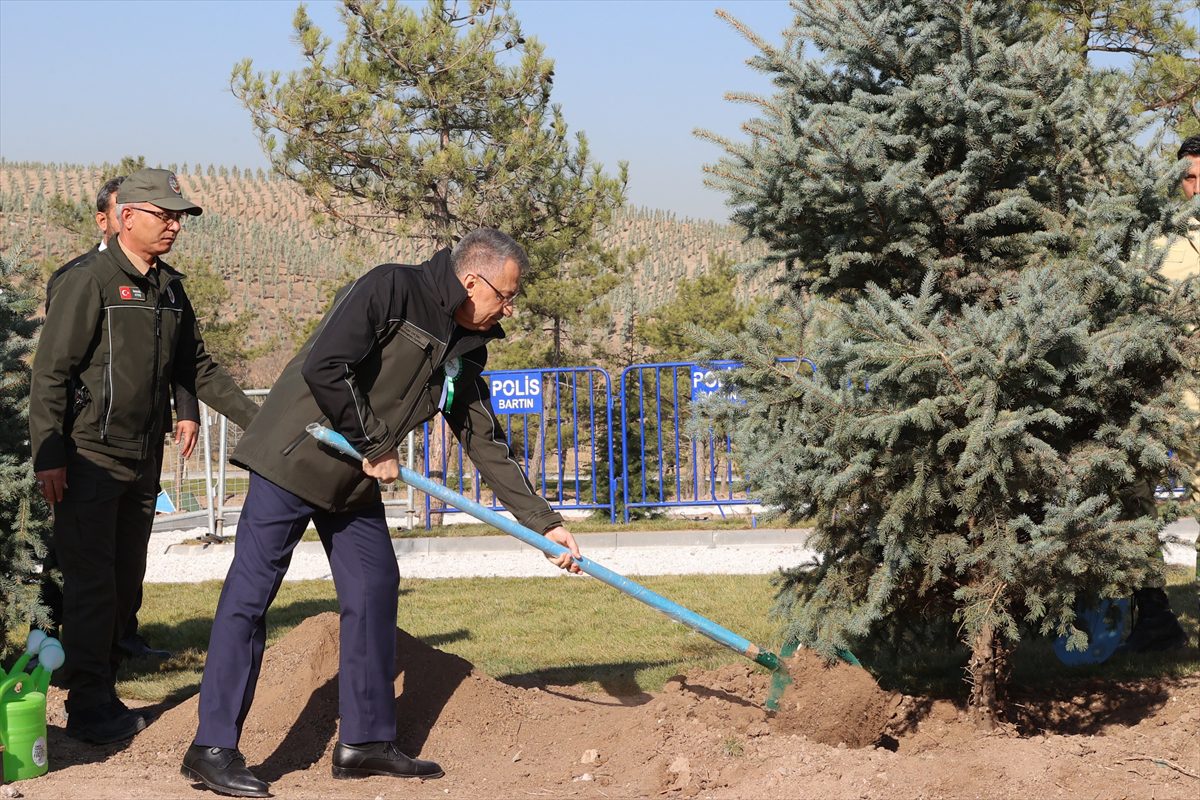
(635, 590)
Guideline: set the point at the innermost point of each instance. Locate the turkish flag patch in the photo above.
(130, 293)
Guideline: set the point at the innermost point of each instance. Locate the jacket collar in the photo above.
(167, 272)
(451, 294)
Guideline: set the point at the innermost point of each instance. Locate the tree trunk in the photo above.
(556, 353)
(988, 673)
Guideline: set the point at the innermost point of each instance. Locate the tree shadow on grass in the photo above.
(617, 679)
(188, 639)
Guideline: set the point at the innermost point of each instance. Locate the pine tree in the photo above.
(428, 123)
(964, 229)
(23, 513)
(1159, 36)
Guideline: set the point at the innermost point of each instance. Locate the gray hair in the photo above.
(485, 251)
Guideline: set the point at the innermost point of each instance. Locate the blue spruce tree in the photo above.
(22, 511)
(962, 229)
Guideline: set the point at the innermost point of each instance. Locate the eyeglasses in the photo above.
(509, 301)
(167, 217)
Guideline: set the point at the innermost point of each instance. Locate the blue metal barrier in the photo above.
(673, 468)
(559, 426)
(661, 465)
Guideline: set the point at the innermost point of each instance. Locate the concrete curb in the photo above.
(426, 545)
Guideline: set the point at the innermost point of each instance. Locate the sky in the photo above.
(89, 82)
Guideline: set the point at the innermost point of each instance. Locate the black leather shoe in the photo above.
(104, 724)
(223, 770)
(137, 647)
(379, 758)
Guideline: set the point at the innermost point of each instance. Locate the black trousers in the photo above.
(101, 529)
(52, 598)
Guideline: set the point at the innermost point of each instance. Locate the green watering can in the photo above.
(23, 709)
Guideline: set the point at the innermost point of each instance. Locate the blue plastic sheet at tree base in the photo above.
(1105, 624)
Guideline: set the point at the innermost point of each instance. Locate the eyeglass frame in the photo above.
(504, 301)
(165, 217)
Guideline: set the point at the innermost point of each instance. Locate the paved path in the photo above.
(758, 551)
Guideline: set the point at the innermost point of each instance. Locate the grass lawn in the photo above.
(559, 630)
(579, 631)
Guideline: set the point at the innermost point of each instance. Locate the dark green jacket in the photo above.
(373, 370)
(186, 405)
(121, 340)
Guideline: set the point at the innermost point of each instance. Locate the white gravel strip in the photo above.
(310, 563)
(189, 565)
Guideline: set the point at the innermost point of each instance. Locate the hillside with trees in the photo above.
(279, 269)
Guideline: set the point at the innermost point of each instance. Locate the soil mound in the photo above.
(293, 722)
(450, 711)
(834, 704)
(706, 734)
(446, 710)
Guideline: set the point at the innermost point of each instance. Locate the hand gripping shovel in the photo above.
(635, 590)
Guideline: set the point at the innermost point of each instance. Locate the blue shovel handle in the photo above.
(635, 590)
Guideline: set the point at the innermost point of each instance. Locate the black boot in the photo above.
(1156, 628)
(379, 758)
(136, 646)
(104, 724)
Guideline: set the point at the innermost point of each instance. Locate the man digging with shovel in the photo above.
(400, 344)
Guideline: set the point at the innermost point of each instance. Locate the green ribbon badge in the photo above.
(452, 369)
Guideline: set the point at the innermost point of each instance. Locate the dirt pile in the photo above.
(835, 704)
(468, 721)
(706, 734)
(293, 722)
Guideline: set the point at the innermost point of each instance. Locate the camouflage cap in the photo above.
(158, 187)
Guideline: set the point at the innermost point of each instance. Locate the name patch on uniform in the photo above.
(131, 293)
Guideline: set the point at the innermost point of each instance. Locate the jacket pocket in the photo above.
(419, 370)
(416, 335)
(294, 443)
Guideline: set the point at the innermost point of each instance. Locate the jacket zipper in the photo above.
(416, 403)
(154, 376)
(107, 381)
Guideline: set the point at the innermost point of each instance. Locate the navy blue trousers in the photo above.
(367, 580)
